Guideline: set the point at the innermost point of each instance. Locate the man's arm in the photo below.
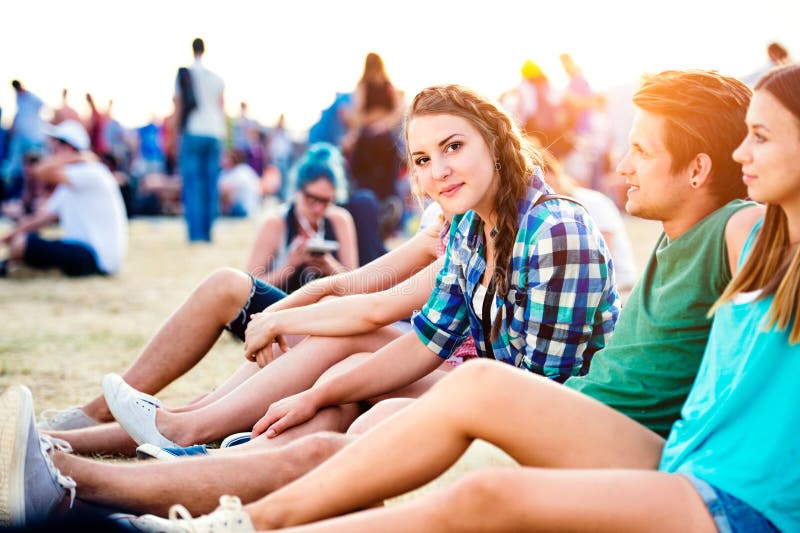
(349, 315)
(29, 224)
(52, 170)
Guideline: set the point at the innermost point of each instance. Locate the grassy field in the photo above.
(59, 336)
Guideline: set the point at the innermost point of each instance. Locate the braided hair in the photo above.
(515, 159)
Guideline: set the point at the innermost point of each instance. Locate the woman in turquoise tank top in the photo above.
(729, 464)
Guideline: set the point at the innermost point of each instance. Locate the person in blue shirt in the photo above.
(26, 135)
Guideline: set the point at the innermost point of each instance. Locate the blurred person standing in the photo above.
(200, 143)
(371, 143)
(65, 111)
(280, 152)
(95, 124)
(86, 202)
(27, 134)
(777, 55)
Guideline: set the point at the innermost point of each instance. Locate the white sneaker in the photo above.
(135, 411)
(229, 517)
(64, 419)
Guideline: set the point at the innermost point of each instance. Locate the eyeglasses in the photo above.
(314, 199)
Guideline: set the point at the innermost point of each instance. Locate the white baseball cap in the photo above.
(71, 132)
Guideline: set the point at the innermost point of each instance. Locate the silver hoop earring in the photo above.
(497, 166)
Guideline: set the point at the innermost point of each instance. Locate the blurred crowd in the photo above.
(251, 171)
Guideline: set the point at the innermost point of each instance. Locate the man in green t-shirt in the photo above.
(680, 172)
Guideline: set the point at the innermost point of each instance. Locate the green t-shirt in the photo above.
(651, 360)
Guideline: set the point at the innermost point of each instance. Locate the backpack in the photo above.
(188, 98)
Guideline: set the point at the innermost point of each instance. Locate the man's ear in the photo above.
(699, 170)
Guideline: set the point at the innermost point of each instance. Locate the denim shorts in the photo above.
(262, 295)
(730, 514)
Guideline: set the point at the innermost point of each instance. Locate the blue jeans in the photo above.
(730, 514)
(199, 165)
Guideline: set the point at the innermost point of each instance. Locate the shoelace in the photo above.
(57, 415)
(181, 517)
(48, 446)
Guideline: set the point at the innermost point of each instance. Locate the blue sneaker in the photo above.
(151, 451)
(30, 484)
(235, 439)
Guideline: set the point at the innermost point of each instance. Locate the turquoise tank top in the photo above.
(740, 427)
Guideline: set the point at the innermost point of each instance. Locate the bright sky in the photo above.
(292, 56)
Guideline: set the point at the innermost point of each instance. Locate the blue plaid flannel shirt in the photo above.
(562, 302)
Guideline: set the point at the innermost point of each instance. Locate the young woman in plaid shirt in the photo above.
(534, 267)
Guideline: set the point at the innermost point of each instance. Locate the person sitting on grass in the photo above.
(680, 172)
(87, 204)
(728, 464)
(281, 254)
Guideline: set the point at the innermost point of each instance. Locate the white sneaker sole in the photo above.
(16, 410)
(151, 451)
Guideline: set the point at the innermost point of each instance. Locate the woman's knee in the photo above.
(377, 414)
(470, 501)
(473, 375)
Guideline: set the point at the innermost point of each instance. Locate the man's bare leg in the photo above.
(185, 338)
(197, 483)
(536, 421)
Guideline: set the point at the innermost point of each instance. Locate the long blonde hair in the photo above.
(772, 266)
(515, 154)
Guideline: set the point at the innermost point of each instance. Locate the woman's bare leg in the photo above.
(290, 373)
(536, 421)
(530, 499)
(185, 338)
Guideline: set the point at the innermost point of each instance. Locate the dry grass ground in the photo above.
(59, 336)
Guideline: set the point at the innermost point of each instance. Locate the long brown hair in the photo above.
(373, 69)
(516, 156)
(771, 266)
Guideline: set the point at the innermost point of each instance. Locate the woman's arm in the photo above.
(384, 272)
(737, 230)
(350, 315)
(394, 366)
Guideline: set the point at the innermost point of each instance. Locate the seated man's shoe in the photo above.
(65, 419)
(135, 411)
(30, 484)
(229, 517)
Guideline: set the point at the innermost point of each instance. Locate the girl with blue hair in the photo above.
(288, 251)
